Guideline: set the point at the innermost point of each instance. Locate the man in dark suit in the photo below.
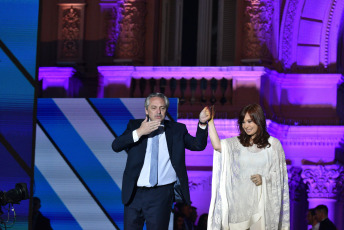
(155, 173)
(312, 219)
(321, 212)
(39, 222)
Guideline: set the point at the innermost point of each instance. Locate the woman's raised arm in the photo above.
(214, 137)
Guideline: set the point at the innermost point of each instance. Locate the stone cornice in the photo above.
(182, 72)
(305, 80)
(307, 135)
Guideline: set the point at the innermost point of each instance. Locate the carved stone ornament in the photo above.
(287, 37)
(131, 39)
(71, 32)
(258, 29)
(327, 36)
(323, 181)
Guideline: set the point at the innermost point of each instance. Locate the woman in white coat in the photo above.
(250, 181)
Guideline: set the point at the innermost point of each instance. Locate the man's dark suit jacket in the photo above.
(178, 139)
(327, 225)
(40, 222)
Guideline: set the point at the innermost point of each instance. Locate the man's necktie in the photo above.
(153, 176)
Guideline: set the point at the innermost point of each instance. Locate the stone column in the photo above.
(297, 195)
(322, 181)
(295, 182)
(340, 204)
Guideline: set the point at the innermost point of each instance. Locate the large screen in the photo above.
(18, 49)
(78, 177)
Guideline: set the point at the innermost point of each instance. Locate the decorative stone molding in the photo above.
(258, 29)
(131, 40)
(70, 32)
(296, 185)
(307, 136)
(240, 74)
(308, 142)
(327, 35)
(288, 29)
(322, 181)
(332, 34)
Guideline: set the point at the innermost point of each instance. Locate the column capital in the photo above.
(324, 181)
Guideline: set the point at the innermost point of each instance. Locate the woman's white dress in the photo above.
(236, 202)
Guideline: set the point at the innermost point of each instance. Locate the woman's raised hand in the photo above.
(211, 110)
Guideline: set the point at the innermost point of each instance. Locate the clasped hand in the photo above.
(207, 114)
(256, 179)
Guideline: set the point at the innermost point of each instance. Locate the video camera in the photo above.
(14, 196)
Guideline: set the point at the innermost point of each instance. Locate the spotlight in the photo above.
(14, 196)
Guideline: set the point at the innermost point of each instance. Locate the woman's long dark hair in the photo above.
(257, 115)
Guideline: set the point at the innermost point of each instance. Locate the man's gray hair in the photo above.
(161, 95)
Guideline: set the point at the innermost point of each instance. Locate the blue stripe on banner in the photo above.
(52, 207)
(81, 158)
(99, 140)
(173, 109)
(114, 112)
(67, 186)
